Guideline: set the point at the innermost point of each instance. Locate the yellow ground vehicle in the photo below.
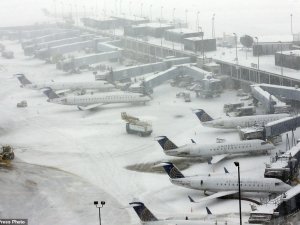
(135, 126)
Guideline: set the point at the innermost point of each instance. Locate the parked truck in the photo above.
(6, 154)
(135, 126)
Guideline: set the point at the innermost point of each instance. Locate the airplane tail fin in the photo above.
(191, 199)
(143, 212)
(50, 94)
(225, 170)
(165, 143)
(203, 116)
(23, 80)
(208, 211)
(172, 170)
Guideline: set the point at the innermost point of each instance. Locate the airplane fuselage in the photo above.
(95, 85)
(85, 100)
(245, 121)
(209, 150)
(229, 183)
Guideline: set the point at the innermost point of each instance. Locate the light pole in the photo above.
(292, 24)
(257, 53)
(55, 11)
(130, 8)
(142, 9)
(236, 56)
(84, 11)
(161, 12)
(186, 19)
(213, 27)
(77, 16)
(202, 45)
(150, 12)
(99, 207)
(71, 11)
(197, 22)
(174, 16)
(258, 49)
(62, 9)
(237, 164)
(281, 66)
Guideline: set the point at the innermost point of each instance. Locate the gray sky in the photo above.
(255, 17)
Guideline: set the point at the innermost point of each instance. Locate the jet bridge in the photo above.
(41, 49)
(67, 48)
(72, 47)
(107, 52)
(86, 60)
(279, 210)
(269, 102)
(56, 36)
(30, 34)
(288, 93)
(157, 79)
(281, 126)
(271, 130)
(285, 166)
(134, 71)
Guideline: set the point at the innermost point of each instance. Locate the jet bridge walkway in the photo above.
(106, 52)
(86, 60)
(269, 102)
(278, 210)
(41, 49)
(139, 70)
(72, 47)
(271, 130)
(191, 70)
(285, 166)
(288, 93)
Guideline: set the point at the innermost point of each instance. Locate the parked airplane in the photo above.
(234, 122)
(214, 152)
(147, 217)
(90, 101)
(224, 185)
(65, 86)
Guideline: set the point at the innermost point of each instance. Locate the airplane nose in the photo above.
(288, 187)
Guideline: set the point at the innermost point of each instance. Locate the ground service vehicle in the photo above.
(135, 126)
(6, 154)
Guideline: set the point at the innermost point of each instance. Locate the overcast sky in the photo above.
(254, 17)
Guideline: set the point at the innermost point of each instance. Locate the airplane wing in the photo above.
(214, 196)
(90, 106)
(218, 158)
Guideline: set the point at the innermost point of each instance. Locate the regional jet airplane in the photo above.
(235, 122)
(224, 185)
(214, 152)
(147, 218)
(90, 101)
(66, 86)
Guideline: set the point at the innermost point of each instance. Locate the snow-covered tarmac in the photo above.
(93, 149)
